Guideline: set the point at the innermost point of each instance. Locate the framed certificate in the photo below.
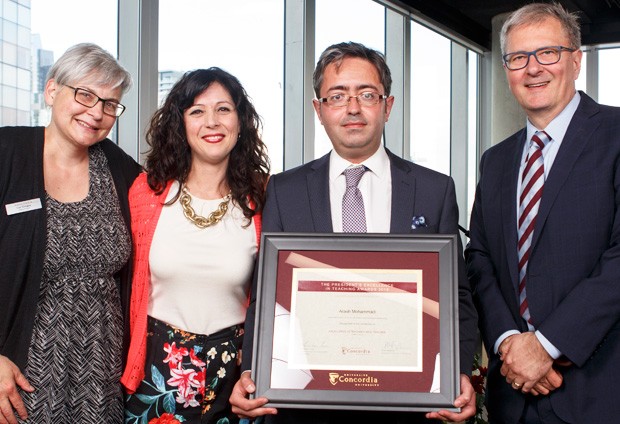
(357, 321)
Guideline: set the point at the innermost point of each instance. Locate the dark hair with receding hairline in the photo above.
(170, 156)
(535, 13)
(337, 52)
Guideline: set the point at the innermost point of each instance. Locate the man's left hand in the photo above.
(525, 361)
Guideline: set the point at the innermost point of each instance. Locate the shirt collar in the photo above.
(558, 126)
(378, 164)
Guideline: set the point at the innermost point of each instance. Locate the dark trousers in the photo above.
(538, 410)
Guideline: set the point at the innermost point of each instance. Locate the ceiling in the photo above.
(600, 19)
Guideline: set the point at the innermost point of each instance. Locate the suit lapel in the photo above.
(403, 194)
(579, 131)
(318, 193)
(509, 204)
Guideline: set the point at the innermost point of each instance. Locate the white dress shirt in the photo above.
(375, 185)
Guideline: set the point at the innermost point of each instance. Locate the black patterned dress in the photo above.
(74, 361)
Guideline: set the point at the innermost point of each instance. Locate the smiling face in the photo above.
(355, 131)
(212, 126)
(77, 124)
(543, 91)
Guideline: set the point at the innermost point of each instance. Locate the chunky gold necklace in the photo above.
(200, 221)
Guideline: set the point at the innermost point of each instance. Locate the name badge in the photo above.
(23, 206)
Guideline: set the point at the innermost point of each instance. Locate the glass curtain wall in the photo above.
(430, 98)
(609, 88)
(34, 34)
(364, 23)
(243, 37)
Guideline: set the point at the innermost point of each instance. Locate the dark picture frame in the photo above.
(396, 372)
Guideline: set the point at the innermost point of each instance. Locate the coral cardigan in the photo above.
(146, 207)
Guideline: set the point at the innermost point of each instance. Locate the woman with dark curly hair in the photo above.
(195, 217)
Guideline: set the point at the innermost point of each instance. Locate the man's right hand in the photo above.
(551, 381)
(244, 407)
(10, 400)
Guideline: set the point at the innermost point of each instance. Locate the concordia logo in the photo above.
(333, 378)
(356, 379)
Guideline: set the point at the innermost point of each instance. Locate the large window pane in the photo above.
(23, 79)
(9, 115)
(609, 88)
(23, 57)
(58, 25)
(9, 10)
(9, 76)
(23, 15)
(63, 23)
(473, 62)
(23, 36)
(9, 97)
(362, 21)
(9, 53)
(9, 32)
(243, 37)
(23, 100)
(580, 83)
(430, 99)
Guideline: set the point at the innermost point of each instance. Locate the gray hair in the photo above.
(89, 60)
(537, 12)
(337, 52)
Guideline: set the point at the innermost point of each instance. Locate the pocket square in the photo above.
(418, 222)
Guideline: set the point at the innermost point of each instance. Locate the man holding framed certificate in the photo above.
(359, 187)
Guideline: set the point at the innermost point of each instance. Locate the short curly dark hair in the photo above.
(170, 156)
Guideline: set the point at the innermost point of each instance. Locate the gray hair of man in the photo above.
(89, 61)
(535, 13)
(337, 52)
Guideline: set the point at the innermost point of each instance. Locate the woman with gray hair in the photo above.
(64, 249)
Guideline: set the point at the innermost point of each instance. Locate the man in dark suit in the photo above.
(352, 84)
(544, 255)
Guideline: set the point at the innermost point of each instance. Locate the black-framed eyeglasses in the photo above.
(90, 99)
(544, 55)
(365, 98)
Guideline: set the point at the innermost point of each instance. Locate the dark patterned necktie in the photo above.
(353, 215)
(532, 182)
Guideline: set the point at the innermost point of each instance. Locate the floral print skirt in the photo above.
(188, 377)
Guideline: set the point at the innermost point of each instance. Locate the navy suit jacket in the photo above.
(573, 276)
(298, 201)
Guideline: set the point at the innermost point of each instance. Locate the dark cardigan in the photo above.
(23, 235)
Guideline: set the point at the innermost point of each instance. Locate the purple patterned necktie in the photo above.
(353, 216)
(532, 182)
